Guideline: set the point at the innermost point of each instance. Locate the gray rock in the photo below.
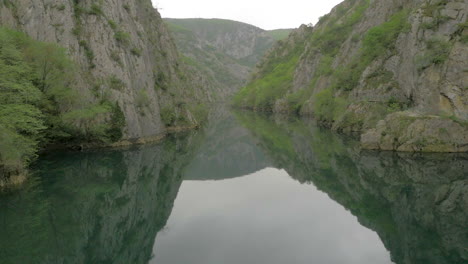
(423, 71)
(125, 39)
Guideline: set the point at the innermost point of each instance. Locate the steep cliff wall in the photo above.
(394, 71)
(124, 54)
(225, 50)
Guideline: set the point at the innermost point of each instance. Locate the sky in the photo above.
(265, 14)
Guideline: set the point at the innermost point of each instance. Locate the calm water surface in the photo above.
(265, 217)
(245, 189)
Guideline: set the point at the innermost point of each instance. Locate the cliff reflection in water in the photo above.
(96, 207)
(418, 204)
(228, 151)
(108, 206)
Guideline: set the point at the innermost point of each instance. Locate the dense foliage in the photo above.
(38, 105)
(276, 80)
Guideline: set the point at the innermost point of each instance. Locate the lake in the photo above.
(245, 188)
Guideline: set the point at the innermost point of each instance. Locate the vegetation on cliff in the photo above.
(38, 105)
(355, 69)
(274, 79)
(85, 73)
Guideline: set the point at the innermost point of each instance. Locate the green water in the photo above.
(244, 189)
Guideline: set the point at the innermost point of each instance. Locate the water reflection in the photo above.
(263, 218)
(97, 207)
(109, 206)
(227, 152)
(418, 204)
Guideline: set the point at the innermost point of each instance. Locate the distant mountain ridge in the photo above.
(225, 50)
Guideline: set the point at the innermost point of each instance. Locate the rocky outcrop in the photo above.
(369, 59)
(225, 50)
(124, 54)
(409, 132)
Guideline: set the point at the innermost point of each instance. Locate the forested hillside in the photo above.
(393, 71)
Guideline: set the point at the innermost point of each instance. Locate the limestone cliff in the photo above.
(225, 50)
(123, 53)
(394, 71)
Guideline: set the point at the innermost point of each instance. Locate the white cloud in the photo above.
(261, 13)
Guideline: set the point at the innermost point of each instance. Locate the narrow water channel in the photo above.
(244, 189)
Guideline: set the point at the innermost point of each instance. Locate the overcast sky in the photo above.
(262, 13)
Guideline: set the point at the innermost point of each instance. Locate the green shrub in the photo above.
(83, 123)
(160, 81)
(380, 76)
(117, 123)
(464, 39)
(168, 116)
(114, 55)
(327, 107)
(394, 105)
(112, 24)
(381, 39)
(122, 37)
(88, 52)
(116, 84)
(78, 11)
(61, 7)
(439, 49)
(136, 52)
(436, 21)
(296, 100)
(77, 30)
(437, 52)
(95, 10)
(461, 27)
(142, 99)
(347, 77)
(432, 9)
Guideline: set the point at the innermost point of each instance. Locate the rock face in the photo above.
(367, 60)
(226, 50)
(403, 131)
(124, 54)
